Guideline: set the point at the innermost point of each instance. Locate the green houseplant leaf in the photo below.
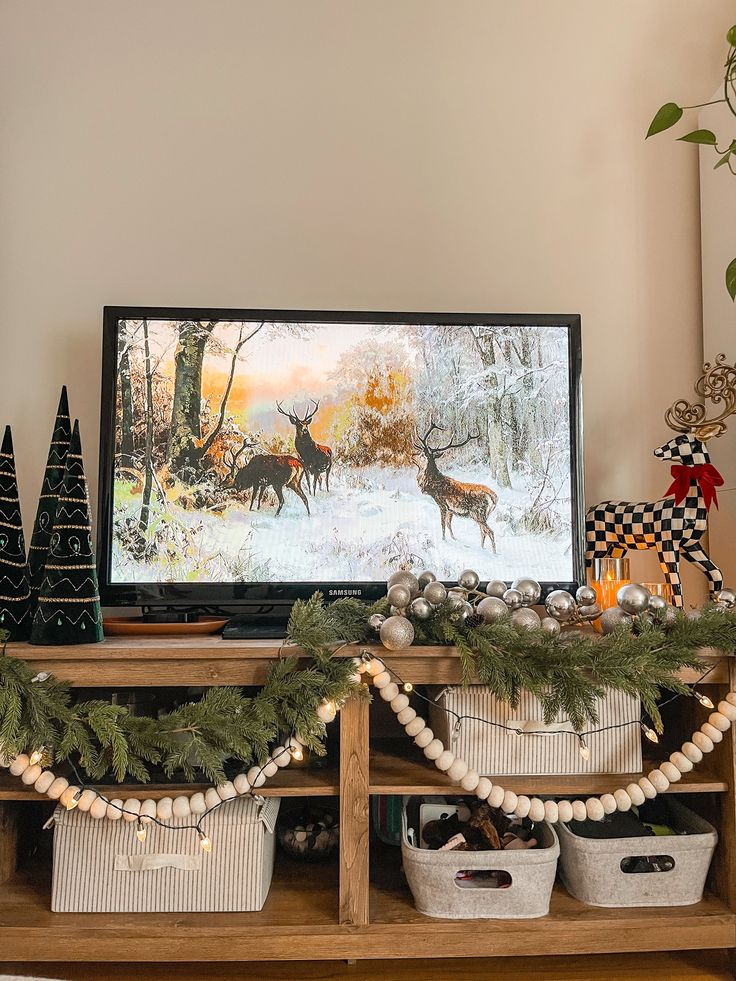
(667, 116)
(731, 36)
(731, 279)
(704, 136)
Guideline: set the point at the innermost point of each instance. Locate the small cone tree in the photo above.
(15, 594)
(68, 610)
(52, 478)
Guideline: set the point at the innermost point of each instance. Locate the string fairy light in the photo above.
(683, 760)
(36, 756)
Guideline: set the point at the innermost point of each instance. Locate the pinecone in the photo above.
(474, 620)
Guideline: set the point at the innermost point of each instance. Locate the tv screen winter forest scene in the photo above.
(339, 452)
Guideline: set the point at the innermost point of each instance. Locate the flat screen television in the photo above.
(255, 456)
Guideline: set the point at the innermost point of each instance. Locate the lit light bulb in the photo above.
(649, 733)
(140, 832)
(205, 842)
(704, 700)
(296, 753)
(36, 756)
(408, 686)
(73, 801)
(584, 750)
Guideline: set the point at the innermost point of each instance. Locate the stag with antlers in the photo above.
(675, 523)
(454, 497)
(316, 457)
(275, 470)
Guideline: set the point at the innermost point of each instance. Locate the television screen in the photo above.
(335, 448)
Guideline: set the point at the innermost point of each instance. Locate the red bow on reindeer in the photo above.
(705, 476)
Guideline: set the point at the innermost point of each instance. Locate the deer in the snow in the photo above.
(316, 457)
(275, 470)
(454, 497)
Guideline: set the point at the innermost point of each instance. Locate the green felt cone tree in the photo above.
(15, 593)
(68, 610)
(52, 478)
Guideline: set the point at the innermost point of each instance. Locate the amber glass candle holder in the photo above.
(663, 589)
(608, 576)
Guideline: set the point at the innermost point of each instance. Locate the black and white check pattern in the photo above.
(614, 527)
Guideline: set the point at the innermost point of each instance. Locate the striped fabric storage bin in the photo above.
(493, 751)
(101, 867)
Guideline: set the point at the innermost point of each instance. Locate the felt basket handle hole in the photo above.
(639, 864)
(483, 879)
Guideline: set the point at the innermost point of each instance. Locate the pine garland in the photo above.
(226, 723)
(566, 673)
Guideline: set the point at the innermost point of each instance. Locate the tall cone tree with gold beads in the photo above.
(52, 478)
(68, 610)
(15, 594)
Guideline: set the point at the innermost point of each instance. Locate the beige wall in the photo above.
(718, 247)
(381, 154)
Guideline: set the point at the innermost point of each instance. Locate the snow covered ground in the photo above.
(369, 523)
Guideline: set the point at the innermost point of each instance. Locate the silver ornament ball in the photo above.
(727, 597)
(421, 608)
(435, 593)
(585, 596)
(425, 578)
(496, 587)
(633, 598)
(396, 633)
(551, 626)
(668, 616)
(464, 611)
(615, 618)
(530, 590)
(526, 619)
(399, 595)
(513, 599)
(657, 604)
(468, 579)
(456, 598)
(560, 604)
(492, 609)
(590, 612)
(375, 620)
(407, 579)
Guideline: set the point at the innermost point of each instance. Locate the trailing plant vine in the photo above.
(670, 113)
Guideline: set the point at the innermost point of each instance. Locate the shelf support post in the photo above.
(354, 812)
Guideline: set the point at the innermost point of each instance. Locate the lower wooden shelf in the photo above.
(400, 768)
(305, 782)
(300, 920)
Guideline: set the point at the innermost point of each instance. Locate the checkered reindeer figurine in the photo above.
(674, 524)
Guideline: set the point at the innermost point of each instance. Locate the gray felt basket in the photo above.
(591, 867)
(431, 877)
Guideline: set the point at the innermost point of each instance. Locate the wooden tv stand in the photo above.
(358, 908)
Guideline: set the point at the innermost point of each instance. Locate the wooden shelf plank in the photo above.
(392, 773)
(297, 782)
(159, 661)
(300, 919)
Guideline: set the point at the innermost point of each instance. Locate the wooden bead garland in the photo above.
(647, 787)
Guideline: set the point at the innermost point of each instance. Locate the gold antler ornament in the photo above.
(717, 384)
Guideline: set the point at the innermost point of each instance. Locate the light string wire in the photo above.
(142, 819)
(459, 718)
(365, 656)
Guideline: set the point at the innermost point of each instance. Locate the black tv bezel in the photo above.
(229, 595)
